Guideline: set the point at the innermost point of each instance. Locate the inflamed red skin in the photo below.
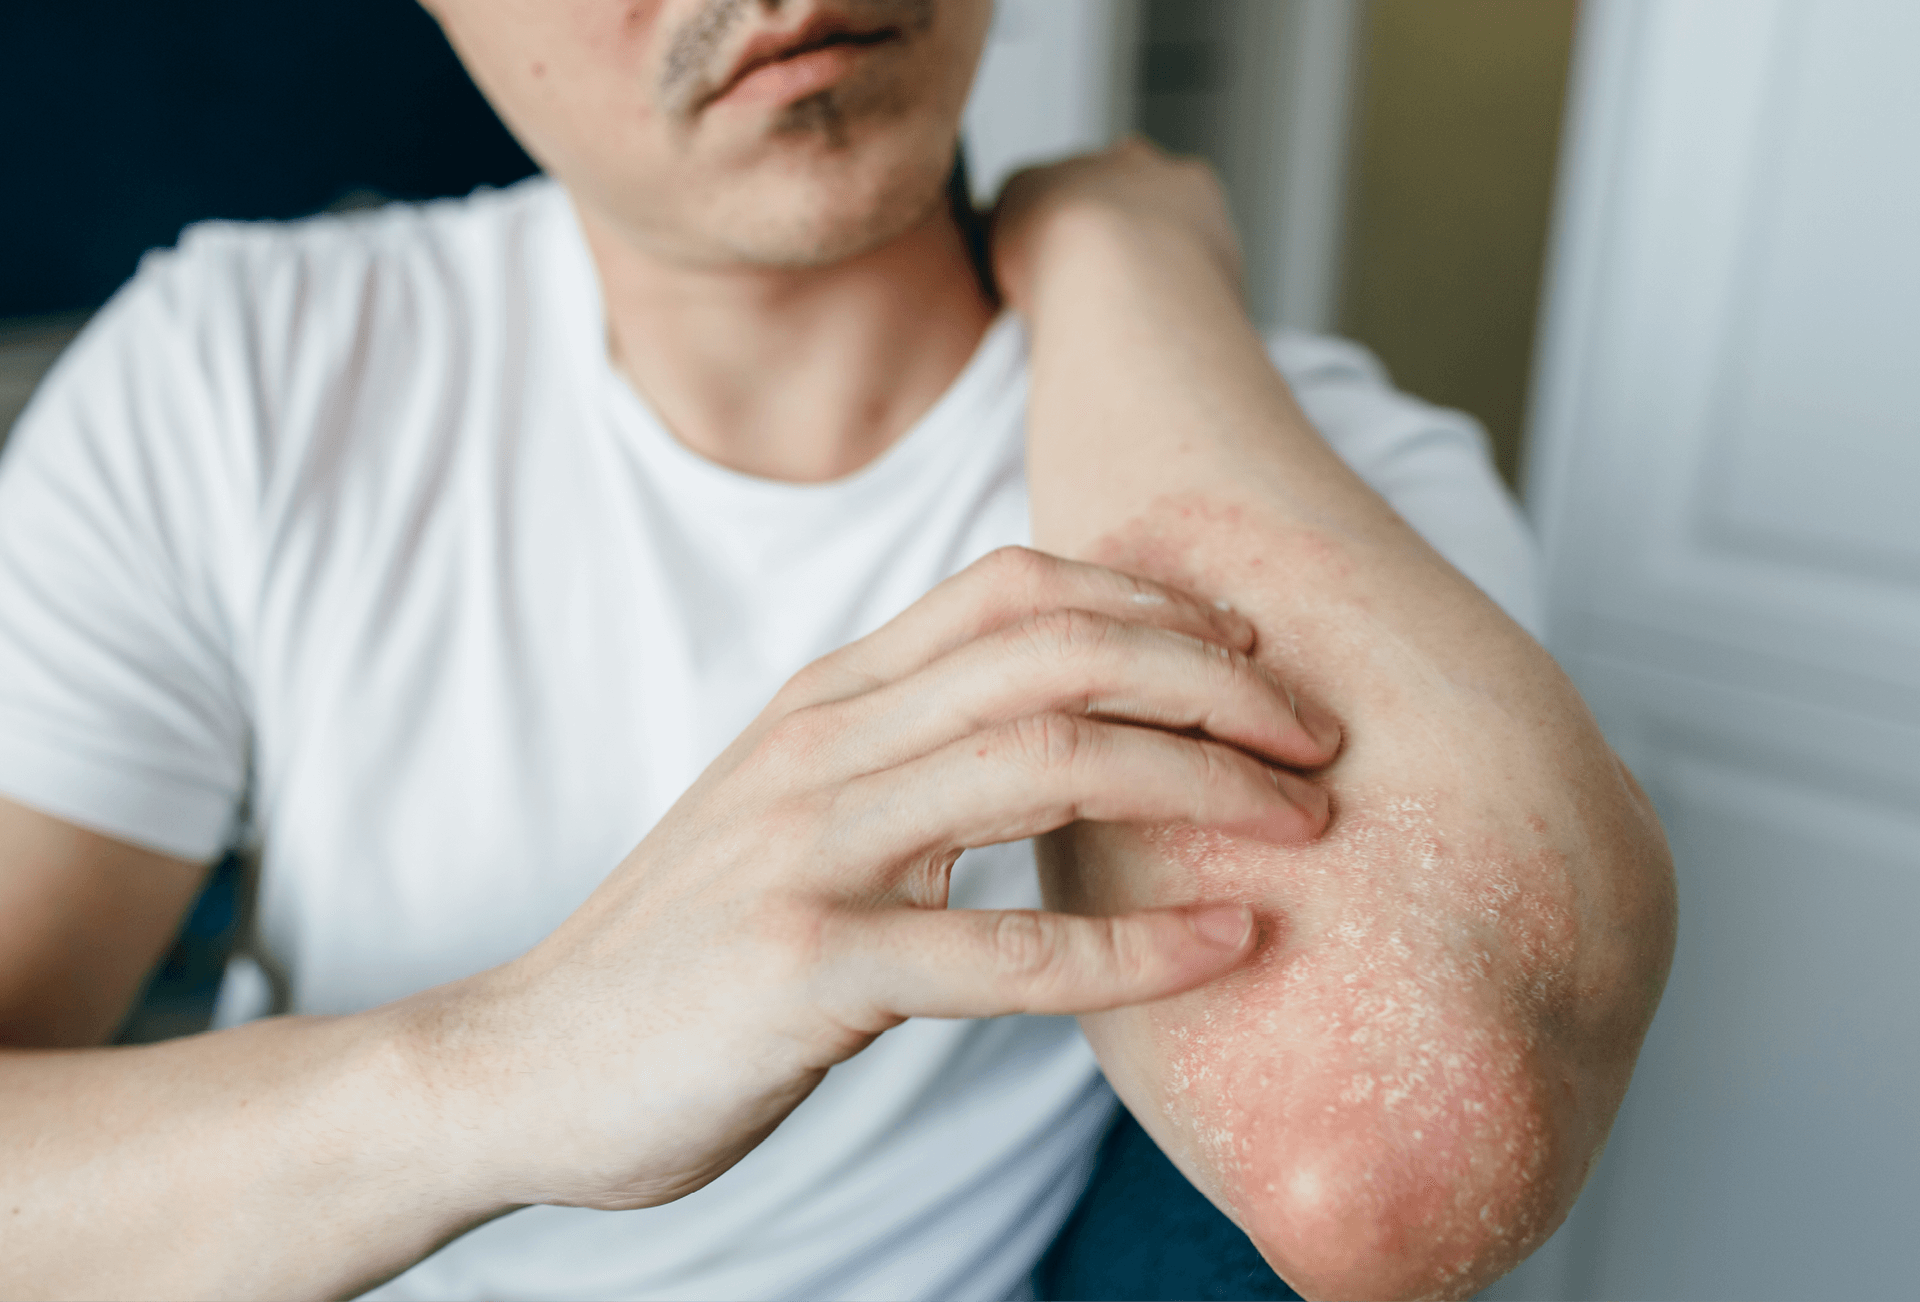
(1401, 1093)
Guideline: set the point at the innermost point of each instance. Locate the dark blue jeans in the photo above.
(1140, 1231)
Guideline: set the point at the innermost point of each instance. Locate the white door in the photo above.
(1727, 474)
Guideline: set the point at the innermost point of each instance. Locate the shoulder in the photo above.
(323, 275)
(247, 300)
(234, 355)
(394, 233)
(265, 336)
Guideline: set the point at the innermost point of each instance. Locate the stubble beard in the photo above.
(834, 204)
(800, 227)
(827, 207)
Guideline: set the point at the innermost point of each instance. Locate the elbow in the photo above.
(1429, 1213)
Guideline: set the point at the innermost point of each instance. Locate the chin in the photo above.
(824, 200)
(826, 237)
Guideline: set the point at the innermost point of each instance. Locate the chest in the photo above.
(476, 689)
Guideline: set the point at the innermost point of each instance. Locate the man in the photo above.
(440, 553)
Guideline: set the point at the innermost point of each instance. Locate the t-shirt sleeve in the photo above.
(1430, 464)
(120, 534)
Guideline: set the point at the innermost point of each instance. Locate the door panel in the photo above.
(1786, 1150)
(1727, 479)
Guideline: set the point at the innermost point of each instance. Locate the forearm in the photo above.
(295, 1157)
(1405, 1088)
(1150, 384)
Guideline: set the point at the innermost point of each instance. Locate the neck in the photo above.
(802, 375)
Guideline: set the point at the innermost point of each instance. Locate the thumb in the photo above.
(987, 963)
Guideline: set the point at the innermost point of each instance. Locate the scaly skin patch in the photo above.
(1385, 1096)
(1358, 1083)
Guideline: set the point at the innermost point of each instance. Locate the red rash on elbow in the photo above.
(1382, 1095)
(1377, 1124)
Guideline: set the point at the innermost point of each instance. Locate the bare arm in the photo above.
(1403, 1092)
(787, 910)
(289, 1157)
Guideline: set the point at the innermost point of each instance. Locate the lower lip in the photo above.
(786, 80)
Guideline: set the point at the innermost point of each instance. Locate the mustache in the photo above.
(697, 48)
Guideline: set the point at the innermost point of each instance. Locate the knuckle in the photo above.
(805, 685)
(1050, 742)
(1067, 634)
(1130, 954)
(801, 690)
(798, 944)
(1024, 943)
(833, 677)
(1218, 766)
(1009, 582)
(1015, 565)
(797, 740)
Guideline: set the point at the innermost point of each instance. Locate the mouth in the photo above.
(790, 65)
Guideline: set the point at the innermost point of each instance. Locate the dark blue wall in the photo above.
(125, 121)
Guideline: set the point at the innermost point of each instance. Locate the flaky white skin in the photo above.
(1404, 1090)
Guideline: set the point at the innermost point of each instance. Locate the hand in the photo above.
(1134, 182)
(792, 905)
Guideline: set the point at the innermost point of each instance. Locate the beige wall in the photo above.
(1459, 109)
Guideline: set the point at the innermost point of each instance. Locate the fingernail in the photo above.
(1224, 925)
(1309, 798)
(1148, 599)
(1242, 626)
(1319, 723)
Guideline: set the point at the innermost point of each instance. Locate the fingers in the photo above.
(1032, 775)
(1003, 588)
(988, 963)
(1073, 662)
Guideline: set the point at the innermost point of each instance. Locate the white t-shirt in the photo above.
(342, 540)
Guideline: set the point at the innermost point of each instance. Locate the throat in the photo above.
(804, 425)
(807, 375)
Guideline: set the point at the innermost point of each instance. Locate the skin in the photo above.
(1402, 1092)
(787, 910)
(752, 251)
(752, 239)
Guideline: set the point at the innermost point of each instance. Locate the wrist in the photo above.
(1090, 246)
(422, 1068)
